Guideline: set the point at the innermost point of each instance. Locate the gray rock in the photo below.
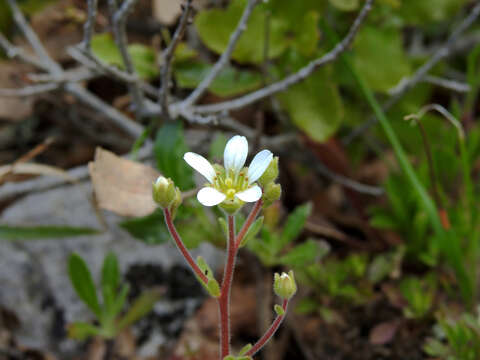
(33, 274)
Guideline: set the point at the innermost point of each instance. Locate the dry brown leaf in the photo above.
(12, 108)
(384, 332)
(122, 186)
(167, 11)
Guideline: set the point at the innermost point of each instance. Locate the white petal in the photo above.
(258, 165)
(209, 196)
(251, 194)
(235, 153)
(199, 163)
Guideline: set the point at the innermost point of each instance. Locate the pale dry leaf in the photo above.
(167, 11)
(384, 332)
(12, 108)
(35, 169)
(122, 186)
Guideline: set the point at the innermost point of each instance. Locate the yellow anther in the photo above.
(229, 182)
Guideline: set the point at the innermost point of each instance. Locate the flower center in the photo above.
(229, 183)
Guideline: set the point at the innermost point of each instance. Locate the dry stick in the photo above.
(166, 71)
(292, 79)
(270, 332)
(120, 34)
(442, 53)
(224, 299)
(29, 90)
(182, 248)
(89, 24)
(47, 64)
(224, 58)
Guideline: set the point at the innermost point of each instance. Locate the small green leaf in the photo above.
(372, 46)
(140, 307)
(229, 82)
(83, 284)
(169, 150)
(143, 57)
(279, 310)
(42, 232)
(314, 105)
(213, 288)
(345, 5)
(294, 225)
(303, 254)
(206, 270)
(120, 300)
(81, 331)
(252, 231)
(110, 280)
(150, 229)
(245, 349)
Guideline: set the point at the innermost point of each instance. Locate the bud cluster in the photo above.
(271, 190)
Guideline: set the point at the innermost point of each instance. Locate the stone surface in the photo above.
(33, 274)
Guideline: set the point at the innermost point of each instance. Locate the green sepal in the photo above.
(213, 288)
(252, 231)
(279, 310)
(244, 349)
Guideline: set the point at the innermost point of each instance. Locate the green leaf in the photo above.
(373, 46)
(416, 12)
(83, 283)
(169, 150)
(314, 105)
(110, 280)
(294, 225)
(244, 349)
(120, 300)
(150, 229)
(42, 232)
(229, 81)
(253, 230)
(345, 5)
(81, 331)
(183, 52)
(141, 307)
(279, 310)
(143, 57)
(216, 25)
(303, 254)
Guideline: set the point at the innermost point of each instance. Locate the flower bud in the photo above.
(270, 174)
(284, 285)
(271, 193)
(164, 192)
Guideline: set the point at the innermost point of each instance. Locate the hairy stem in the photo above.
(251, 218)
(270, 332)
(181, 246)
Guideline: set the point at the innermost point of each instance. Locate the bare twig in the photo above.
(292, 79)
(120, 32)
(29, 90)
(89, 24)
(33, 38)
(224, 58)
(16, 53)
(165, 75)
(447, 84)
(443, 52)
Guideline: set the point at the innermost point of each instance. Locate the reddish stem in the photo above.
(181, 246)
(250, 219)
(270, 332)
(224, 299)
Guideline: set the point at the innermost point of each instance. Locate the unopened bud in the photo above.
(271, 193)
(164, 192)
(270, 174)
(284, 285)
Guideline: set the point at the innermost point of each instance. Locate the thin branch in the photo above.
(120, 34)
(447, 84)
(29, 90)
(33, 38)
(224, 58)
(168, 57)
(292, 79)
(443, 52)
(89, 24)
(14, 52)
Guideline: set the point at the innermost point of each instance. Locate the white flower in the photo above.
(232, 182)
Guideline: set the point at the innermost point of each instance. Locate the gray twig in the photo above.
(224, 58)
(165, 75)
(89, 24)
(120, 34)
(14, 52)
(443, 52)
(29, 90)
(292, 79)
(447, 83)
